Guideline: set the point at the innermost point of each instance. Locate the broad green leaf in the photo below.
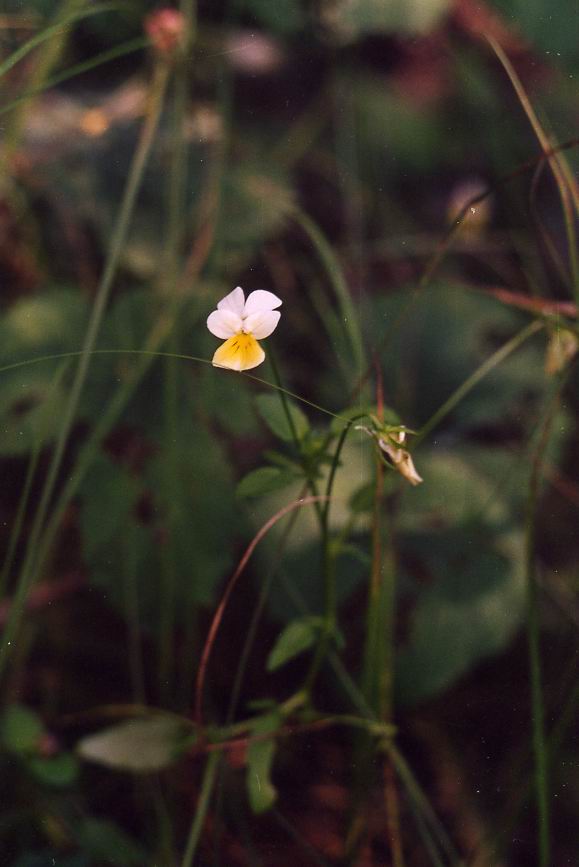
(110, 483)
(272, 411)
(260, 756)
(138, 746)
(20, 729)
(188, 508)
(108, 844)
(470, 610)
(57, 771)
(296, 638)
(264, 480)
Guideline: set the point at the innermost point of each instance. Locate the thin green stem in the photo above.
(338, 283)
(32, 561)
(19, 519)
(567, 191)
(44, 61)
(540, 749)
(128, 47)
(54, 31)
(155, 353)
(473, 380)
(283, 393)
(328, 569)
(202, 807)
(170, 279)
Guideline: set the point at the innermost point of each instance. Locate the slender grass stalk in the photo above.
(45, 60)
(328, 571)
(32, 561)
(473, 380)
(422, 805)
(105, 57)
(533, 634)
(19, 518)
(202, 807)
(25, 494)
(171, 269)
(51, 32)
(337, 281)
(567, 191)
(283, 394)
(443, 246)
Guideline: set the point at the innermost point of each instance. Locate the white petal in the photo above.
(259, 301)
(261, 324)
(224, 323)
(234, 301)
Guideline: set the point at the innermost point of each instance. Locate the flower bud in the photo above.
(166, 28)
(401, 459)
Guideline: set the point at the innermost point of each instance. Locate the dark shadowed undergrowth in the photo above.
(322, 609)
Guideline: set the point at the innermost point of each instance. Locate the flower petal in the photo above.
(261, 324)
(241, 352)
(234, 301)
(224, 323)
(259, 301)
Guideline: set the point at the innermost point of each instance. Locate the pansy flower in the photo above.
(241, 324)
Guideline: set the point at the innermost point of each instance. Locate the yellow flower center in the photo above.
(240, 352)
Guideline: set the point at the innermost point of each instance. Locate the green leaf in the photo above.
(107, 843)
(296, 638)
(263, 481)
(260, 755)
(272, 411)
(470, 610)
(138, 746)
(20, 729)
(105, 482)
(57, 771)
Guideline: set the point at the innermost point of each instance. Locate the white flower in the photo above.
(241, 324)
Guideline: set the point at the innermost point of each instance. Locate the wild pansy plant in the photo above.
(242, 324)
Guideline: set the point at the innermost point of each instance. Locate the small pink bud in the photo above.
(166, 28)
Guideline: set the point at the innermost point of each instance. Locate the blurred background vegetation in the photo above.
(401, 174)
